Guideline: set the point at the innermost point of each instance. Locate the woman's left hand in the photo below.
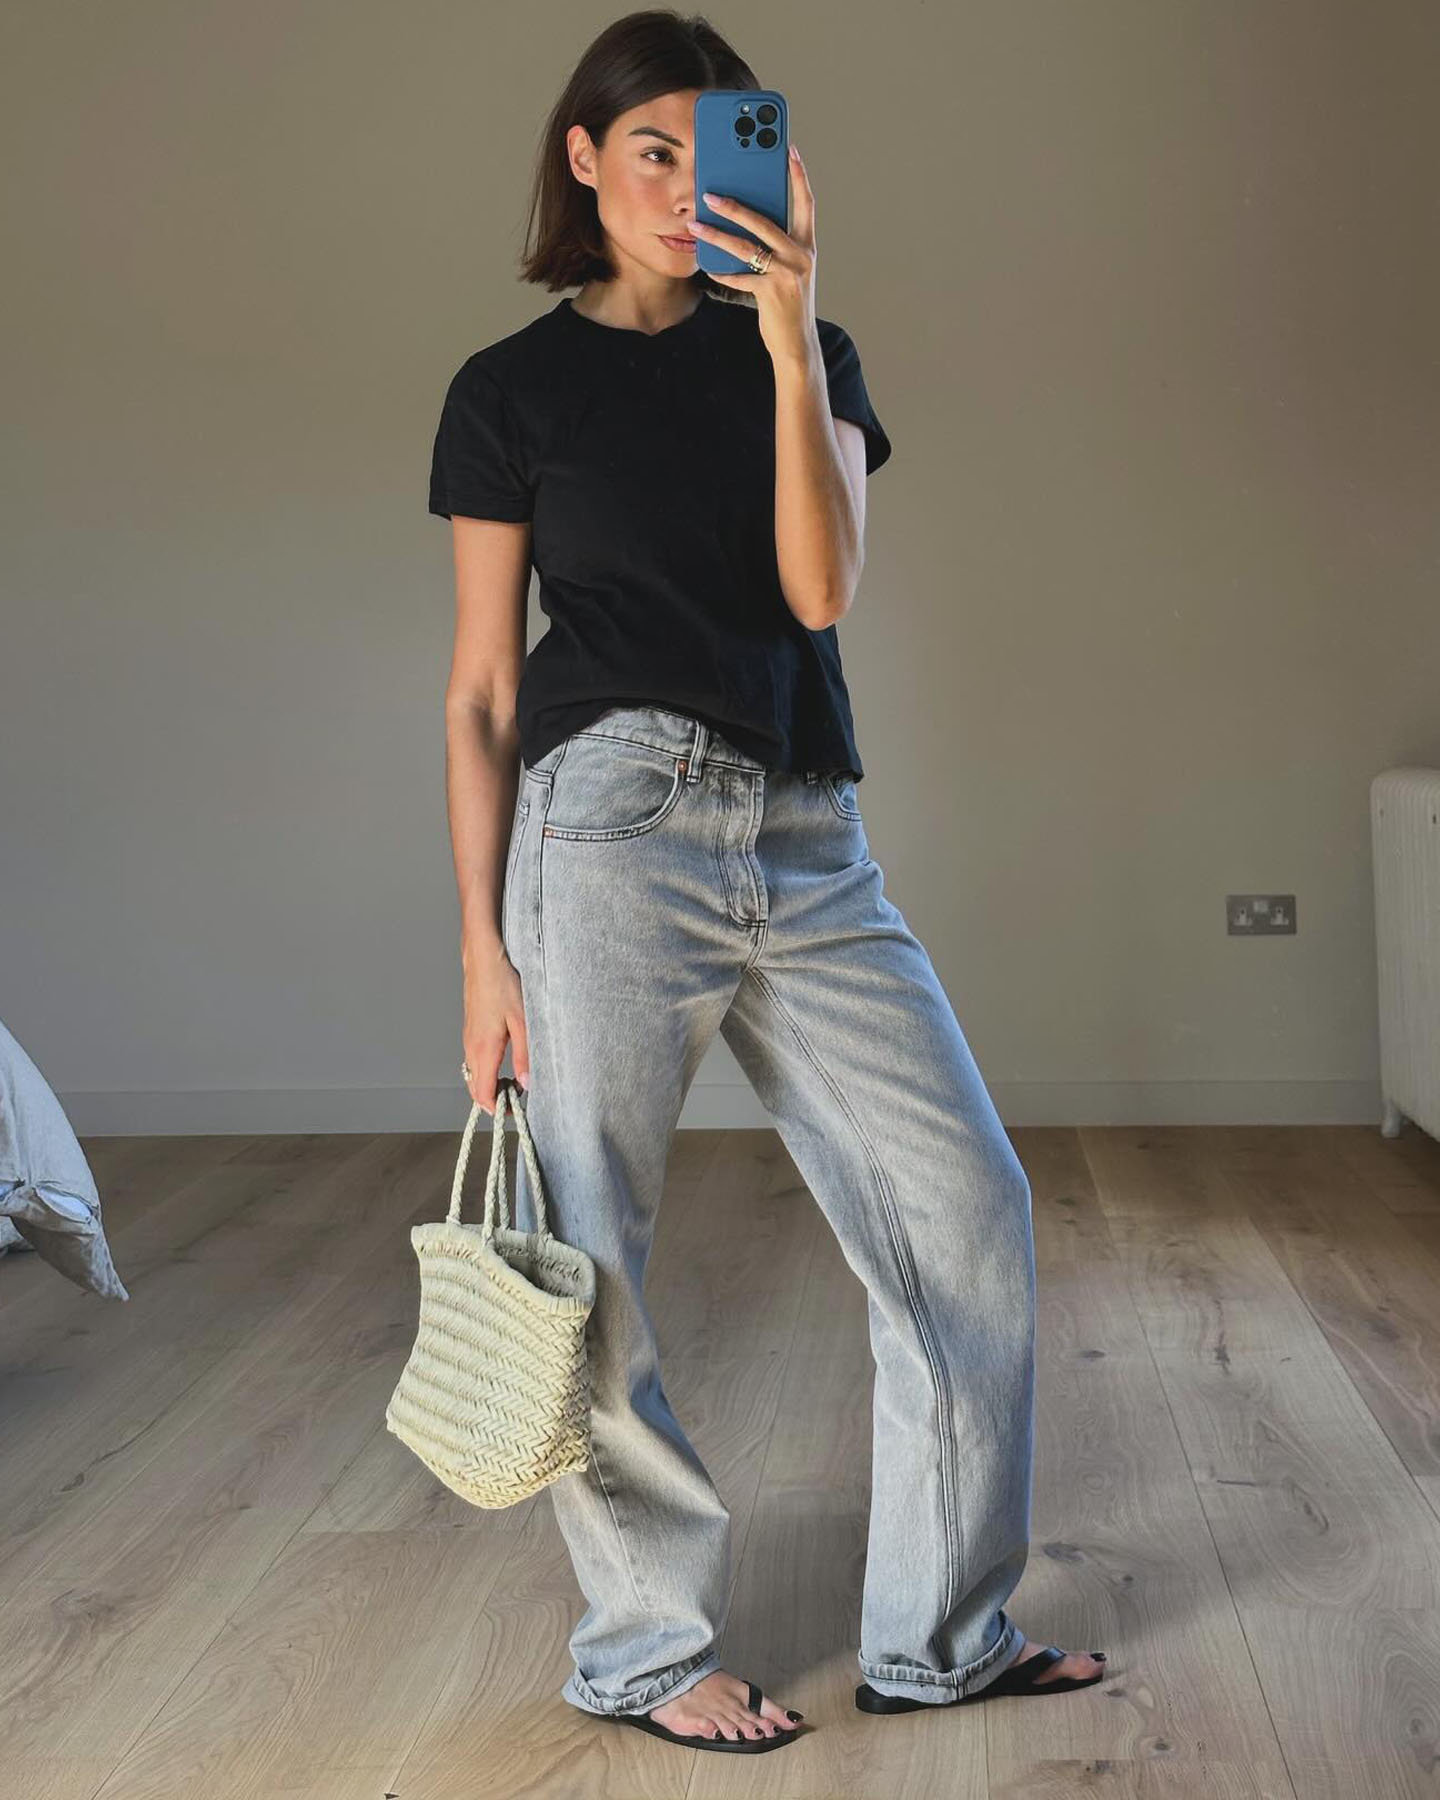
(785, 293)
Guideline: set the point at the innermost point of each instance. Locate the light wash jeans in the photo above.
(661, 886)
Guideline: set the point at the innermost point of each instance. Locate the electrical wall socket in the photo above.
(1260, 915)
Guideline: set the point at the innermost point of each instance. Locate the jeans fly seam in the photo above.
(717, 847)
(757, 874)
(901, 1247)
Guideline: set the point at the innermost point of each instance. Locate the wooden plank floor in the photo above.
(220, 1576)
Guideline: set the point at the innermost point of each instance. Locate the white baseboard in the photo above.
(714, 1104)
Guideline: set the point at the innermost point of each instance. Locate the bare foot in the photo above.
(1078, 1664)
(719, 1703)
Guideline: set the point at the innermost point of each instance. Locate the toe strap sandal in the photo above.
(717, 1740)
(1020, 1678)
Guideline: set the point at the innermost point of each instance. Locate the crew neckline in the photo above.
(566, 308)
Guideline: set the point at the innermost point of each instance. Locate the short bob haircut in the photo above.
(634, 60)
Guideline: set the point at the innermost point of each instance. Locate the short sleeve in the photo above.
(477, 468)
(848, 397)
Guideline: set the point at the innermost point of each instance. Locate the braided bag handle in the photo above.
(497, 1194)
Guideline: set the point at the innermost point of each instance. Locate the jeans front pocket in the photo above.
(840, 791)
(606, 787)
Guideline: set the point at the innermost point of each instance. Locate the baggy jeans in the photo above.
(660, 886)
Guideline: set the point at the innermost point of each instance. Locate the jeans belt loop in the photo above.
(697, 751)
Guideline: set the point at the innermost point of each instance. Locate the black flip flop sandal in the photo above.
(717, 1741)
(1019, 1678)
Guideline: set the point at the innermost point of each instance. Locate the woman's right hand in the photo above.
(494, 1016)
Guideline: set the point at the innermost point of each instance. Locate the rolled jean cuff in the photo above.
(942, 1687)
(668, 1685)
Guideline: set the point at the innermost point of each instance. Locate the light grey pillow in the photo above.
(46, 1188)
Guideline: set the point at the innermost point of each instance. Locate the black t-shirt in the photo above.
(646, 464)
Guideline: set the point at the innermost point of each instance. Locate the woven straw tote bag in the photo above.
(495, 1397)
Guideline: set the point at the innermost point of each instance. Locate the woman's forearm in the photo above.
(817, 540)
(482, 774)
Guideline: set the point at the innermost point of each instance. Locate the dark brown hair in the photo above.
(643, 55)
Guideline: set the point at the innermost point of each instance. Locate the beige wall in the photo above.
(1146, 295)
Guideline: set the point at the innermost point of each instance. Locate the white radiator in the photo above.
(1405, 837)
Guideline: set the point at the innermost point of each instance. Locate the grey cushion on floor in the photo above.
(46, 1188)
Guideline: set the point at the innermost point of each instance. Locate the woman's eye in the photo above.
(659, 152)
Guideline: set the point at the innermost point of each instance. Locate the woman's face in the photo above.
(644, 181)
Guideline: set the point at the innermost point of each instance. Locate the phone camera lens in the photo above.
(744, 127)
(766, 138)
(767, 114)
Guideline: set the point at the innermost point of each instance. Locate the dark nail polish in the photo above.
(793, 1715)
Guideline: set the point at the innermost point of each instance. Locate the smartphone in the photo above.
(742, 151)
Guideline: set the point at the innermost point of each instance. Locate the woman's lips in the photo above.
(678, 243)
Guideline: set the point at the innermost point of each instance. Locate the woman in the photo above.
(657, 836)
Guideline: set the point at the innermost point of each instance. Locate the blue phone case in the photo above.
(733, 162)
